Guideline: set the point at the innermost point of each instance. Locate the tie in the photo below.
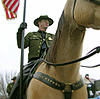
(43, 41)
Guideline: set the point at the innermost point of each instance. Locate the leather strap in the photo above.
(68, 94)
(95, 1)
(49, 81)
(58, 85)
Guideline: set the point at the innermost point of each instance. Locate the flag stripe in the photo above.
(7, 13)
(15, 10)
(11, 7)
(4, 1)
(11, 4)
(7, 3)
(12, 16)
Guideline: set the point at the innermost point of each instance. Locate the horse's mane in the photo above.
(71, 24)
(52, 49)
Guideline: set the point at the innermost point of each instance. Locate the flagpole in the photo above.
(22, 55)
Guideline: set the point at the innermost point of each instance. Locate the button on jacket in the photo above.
(33, 40)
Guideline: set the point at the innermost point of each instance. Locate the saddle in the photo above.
(28, 69)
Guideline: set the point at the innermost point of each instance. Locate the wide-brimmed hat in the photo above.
(14, 78)
(43, 17)
(87, 75)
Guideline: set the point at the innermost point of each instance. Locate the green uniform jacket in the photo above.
(9, 88)
(33, 40)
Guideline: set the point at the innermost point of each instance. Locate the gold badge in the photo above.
(50, 38)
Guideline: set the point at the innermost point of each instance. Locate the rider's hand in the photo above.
(23, 26)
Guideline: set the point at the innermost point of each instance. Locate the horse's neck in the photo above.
(66, 46)
(67, 43)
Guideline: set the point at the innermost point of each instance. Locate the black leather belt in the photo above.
(58, 85)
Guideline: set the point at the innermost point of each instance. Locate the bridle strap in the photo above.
(95, 1)
(74, 8)
(97, 50)
(80, 26)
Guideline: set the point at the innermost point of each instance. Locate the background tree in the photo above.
(4, 80)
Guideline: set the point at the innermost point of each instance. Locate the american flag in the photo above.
(11, 7)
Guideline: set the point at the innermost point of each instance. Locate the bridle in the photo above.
(97, 49)
(95, 1)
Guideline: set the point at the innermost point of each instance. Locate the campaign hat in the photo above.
(43, 17)
(14, 78)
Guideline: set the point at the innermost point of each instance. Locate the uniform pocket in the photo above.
(34, 41)
(34, 38)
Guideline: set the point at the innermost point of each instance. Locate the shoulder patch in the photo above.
(34, 35)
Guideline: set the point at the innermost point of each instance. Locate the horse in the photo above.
(66, 46)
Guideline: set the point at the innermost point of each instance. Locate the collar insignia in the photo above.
(50, 38)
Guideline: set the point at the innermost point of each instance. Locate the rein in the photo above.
(91, 53)
(90, 66)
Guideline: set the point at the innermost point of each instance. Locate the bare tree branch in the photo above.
(4, 80)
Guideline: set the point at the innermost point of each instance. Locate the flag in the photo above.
(11, 8)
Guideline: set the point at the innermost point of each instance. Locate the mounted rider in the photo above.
(37, 42)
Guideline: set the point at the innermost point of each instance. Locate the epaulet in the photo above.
(33, 32)
(30, 33)
(50, 33)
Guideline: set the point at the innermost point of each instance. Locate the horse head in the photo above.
(87, 13)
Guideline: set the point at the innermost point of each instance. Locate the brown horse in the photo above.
(66, 46)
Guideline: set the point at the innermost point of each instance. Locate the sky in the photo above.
(9, 52)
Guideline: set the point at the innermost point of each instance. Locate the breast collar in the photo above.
(59, 85)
